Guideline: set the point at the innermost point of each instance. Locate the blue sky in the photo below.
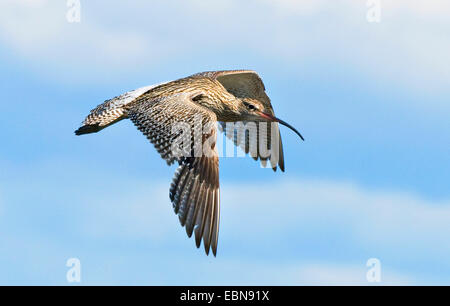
(370, 181)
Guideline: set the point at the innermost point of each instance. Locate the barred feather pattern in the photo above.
(255, 138)
(194, 192)
(248, 84)
(155, 110)
(112, 109)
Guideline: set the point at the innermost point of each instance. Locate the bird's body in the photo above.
(173, 116)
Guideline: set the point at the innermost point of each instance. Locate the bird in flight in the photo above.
(170, 114)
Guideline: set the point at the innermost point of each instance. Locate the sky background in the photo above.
(372, 179)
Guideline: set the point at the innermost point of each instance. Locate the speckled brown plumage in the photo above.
(198, 100)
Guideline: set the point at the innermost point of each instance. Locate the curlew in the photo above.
(198, 100)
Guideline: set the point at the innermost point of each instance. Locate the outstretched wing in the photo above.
(264, 146)
(110, 111)
(248, 84)
(184, 132)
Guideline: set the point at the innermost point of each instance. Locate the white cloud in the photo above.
(280, 273)
(390, 220)
(296, 231)
(117, 37)
(404, 231)
(328, 274)
(253, 211)
(39, 32)
(431, 9)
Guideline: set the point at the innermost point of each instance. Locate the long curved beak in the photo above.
(273, 118)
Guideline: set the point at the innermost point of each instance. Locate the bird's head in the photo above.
(254, 110)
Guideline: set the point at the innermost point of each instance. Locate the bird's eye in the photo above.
(250, 106)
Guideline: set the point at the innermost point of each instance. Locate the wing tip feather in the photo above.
(87, 129)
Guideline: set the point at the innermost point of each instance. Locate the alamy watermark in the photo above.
(374, 11)
(257, 139)
(373, 275)
(74, 12)
(73, 275)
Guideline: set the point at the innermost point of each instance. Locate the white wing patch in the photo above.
(130, 96)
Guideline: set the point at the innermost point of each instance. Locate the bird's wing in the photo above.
(110, 111)
(242, 84)
(248, 84)
(262, 145)
(170, 123)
